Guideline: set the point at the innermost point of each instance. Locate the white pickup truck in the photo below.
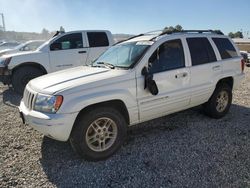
(63, 51)
(137, 80)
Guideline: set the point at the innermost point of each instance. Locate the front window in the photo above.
(123, 55)
(67, 42)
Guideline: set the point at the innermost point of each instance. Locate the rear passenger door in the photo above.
(204, 68)
(98, 43)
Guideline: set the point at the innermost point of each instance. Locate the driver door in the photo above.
(68, 51)
(172, 77)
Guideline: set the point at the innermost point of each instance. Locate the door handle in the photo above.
(81, 52)
(181, 75)
(217, 67)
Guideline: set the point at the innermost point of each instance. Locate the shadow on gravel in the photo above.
(11, 98)
(186, 149)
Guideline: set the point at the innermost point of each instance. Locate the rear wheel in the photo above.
(98, 133)
(22, 76)
(220, 102)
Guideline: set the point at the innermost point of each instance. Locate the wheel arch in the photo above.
(228, 80)
(116, 104)
(32, 64)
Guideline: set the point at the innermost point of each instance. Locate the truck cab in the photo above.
(62, 51)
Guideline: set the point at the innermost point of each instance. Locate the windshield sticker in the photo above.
(144, 43)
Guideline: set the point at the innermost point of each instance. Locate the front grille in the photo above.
(28, 98)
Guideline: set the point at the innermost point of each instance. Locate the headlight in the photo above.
(47, 103)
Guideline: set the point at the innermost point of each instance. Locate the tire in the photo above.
(22, 76)
(85, 130)
(219, 103)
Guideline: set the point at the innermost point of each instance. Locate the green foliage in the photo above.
(238, 34)
(172, 29)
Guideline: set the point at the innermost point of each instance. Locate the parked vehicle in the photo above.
(246, 57)
(63, 51)
(8, 45)
(137, 80)
(27, 46)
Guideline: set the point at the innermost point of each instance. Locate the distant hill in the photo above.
(44, 35)
(119, 37)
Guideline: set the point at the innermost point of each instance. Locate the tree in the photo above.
(231, 35)
(172, 29)
(45, 33)
(238, 34)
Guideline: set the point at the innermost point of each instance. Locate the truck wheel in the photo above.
(220, 102)
(98, 133)
(22, 76)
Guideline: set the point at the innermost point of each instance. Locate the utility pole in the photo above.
(3, 23)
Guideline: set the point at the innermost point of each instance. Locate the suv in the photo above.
(63, 51)
(142, 78)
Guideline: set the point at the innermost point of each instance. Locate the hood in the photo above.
(6, 51)
(82, 76)
(18, 53)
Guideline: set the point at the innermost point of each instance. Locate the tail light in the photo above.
(242, 65)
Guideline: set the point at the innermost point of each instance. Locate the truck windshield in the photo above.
(123, 55)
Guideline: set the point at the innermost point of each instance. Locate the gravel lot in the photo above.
(185, 149)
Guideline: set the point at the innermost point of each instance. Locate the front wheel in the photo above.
(220, 102)
(98, 133)
(22, 76)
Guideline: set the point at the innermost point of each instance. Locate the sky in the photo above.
(126, 16)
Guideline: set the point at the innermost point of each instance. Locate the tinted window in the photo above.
(225, 48)
(168, 56)
(97, 39)
(201, 51)
(70, 41)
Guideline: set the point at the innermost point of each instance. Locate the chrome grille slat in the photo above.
(28, 98)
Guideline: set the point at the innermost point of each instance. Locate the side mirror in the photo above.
(55, 46)
(144, 71)
(149, 82)
(152, 87)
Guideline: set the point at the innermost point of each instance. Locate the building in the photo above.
(243, 44)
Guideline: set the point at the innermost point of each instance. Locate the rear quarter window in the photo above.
(97, 39)
(225, 48)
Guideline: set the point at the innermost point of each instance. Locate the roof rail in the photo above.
(193, 31)
(219, 32)
(128, 39)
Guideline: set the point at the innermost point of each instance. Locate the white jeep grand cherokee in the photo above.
(145, 77)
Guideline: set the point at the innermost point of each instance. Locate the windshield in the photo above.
(123, 55)
(19, 46)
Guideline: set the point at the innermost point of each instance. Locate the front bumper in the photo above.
(55, 126)
(5, 76)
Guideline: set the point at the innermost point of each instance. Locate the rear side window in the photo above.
(201, 51)
(97, 39)
(225, 48)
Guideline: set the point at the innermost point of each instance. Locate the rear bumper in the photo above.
(55, 126)
(237, 80)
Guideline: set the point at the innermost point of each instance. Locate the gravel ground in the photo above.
(185, 149)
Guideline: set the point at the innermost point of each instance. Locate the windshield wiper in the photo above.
(109, 65)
